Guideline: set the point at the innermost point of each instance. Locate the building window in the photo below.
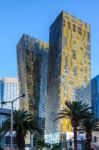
(66, 61)
(79, 31)
(28, 68)
(66, 65)
(85, 69)
(64, 22)
(69, 25)
(64, 42)
(27, 51)
(74, 54)
(74, 27)
(64, 137)
(61, 134)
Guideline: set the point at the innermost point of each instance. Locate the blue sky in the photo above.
(34, 17)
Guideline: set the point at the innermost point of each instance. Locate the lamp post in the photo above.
(5, 102)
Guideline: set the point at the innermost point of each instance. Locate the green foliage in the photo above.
(41, 144)
(75, 111)
(56, 147)
(89, 124)
(22, 124)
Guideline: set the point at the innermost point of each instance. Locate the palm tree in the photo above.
(88, 125)
(22, 124)
(75, 111)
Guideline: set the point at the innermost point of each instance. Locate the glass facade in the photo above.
(95, 96)
(69, 69)
(4, 113)
(9, 91)
(1, 91)
(32, 56)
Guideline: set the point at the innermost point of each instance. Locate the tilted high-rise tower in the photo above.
(69, 71)
(32, 56)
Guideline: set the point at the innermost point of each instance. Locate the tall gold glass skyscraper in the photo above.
(32, 56)
(69, 70)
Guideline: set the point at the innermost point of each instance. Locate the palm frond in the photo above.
(89, 124)
(75, 110)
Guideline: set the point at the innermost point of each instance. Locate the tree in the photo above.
(22, 124)
(88, 125)
(75, 111)
(41, 144)
(56, 147)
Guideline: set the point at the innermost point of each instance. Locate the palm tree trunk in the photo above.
(20, 140)
(89, 139)
(75, 138)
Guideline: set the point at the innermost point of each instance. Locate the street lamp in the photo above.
(5, 102)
